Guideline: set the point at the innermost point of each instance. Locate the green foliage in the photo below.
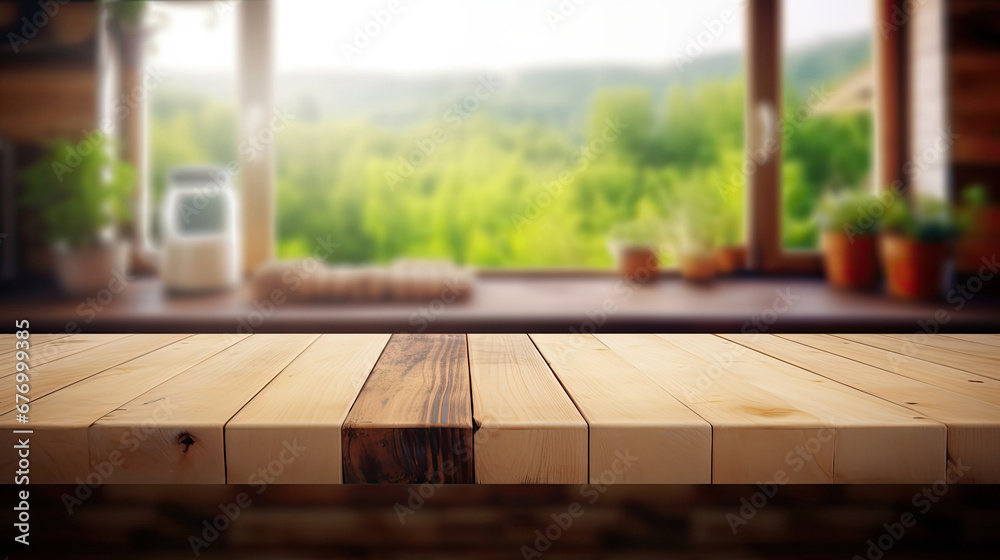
(849, 212)
(929, 220)
(976, 195)
(501, 191)
(80, 193)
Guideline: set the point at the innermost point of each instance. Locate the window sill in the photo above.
(519, 304)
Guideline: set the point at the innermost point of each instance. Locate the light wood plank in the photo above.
(639, 433)
(876, 441)
(973, 426)
(755, 433)
(527, 429)
(412, 421)
(60, 420)
(60, 373)
(985, 339)
(173, 433)
(55, 350)
(973, 364)
(951, 344)
(962, 382)
(8, 341)
(296, 420)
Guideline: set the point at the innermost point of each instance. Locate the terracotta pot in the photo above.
(981, 241)
(730, 259)
(638, 263)
(850, 262)
(913, 269)
(698, 267)
(87, 271)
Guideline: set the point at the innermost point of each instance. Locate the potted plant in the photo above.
(636, 247)
(697, 218)
(915, 243)
(81, 192)
(980, 223)
(731, 254)
(848, 238)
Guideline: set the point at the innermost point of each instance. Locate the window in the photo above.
(828, 90)
(518, 134)
(192, 105)
(506, 134)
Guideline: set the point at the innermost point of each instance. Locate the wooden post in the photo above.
(256, 91)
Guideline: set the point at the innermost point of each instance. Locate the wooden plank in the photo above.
(753, 430)
(412, 421)
(951, 344)
(60, 373)
(304, 409)
(986, 339)
(57, 349)
(965, 362)
(639, 433)
(876, 441)
(527, 429)
(60, 420)
(173, 433)
(8, 341)
(962, 382)
(973, 426)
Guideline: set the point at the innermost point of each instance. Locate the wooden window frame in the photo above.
(764, 66)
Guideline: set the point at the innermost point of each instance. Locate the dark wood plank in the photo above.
(412, 421)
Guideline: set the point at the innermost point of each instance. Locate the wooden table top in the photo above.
(506, 408)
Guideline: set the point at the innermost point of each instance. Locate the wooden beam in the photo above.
(60, 421)
(527, 429)
(256, 92)
(412, 421)
(173, 433)
(639, 433)
(973, 427)
(303, 409)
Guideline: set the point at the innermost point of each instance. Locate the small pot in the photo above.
(913, 269)
(88, 270)
(730, 259)
(850, 262)
(981, 241)
(638, 263)
(697, 267)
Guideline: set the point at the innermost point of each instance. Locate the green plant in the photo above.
(79, 192)
(975, 197)
(644, 232)
(926, 219)
(850, 212)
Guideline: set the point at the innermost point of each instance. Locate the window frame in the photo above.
(764, 66)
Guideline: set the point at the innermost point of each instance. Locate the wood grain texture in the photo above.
(527, 429)
(639, 433)
(876, 441)
(8, 341)
(962, 382)
(985, 339)
(173, 433)
(61, 420)
(916, 348)
(47, 352)
(412, 421)
(973, 436)
(950, 344)
(60, 373)
(754, 431)
(294, 424)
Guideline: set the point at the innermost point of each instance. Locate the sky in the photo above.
(431, 36)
